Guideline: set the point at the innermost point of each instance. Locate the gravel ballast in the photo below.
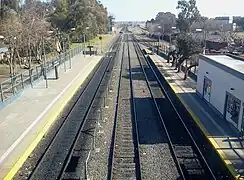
(98, 162)
(156, 159)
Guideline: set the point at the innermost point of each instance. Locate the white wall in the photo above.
(221, 82)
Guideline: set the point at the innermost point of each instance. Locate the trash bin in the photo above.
(56, 71)
(55, 64)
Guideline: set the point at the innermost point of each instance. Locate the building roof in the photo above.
(223, 18)
(229, 63)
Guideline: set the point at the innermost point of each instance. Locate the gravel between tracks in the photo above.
(98, 162)
(156, 159)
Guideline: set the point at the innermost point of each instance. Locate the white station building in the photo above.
(220, 82)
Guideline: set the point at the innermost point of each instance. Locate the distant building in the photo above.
(220, 82)
(224, 20)
(216, 24)
(3, 48)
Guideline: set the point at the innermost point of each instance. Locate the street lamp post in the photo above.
(62, 46)
(55, 63)
(72, 29)
(44, 68)
(101, 39)
(170, 39)
(84, 41)
(159, 27)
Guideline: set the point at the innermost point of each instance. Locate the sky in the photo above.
(142, 10)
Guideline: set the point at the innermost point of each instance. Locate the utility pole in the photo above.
(85, 39)
(158, 44)
(205, 44)
(101, 39)
(84, 43)
(159, 27)
(45, 68)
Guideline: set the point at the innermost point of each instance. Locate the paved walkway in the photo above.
(24, 122)
(224, 138)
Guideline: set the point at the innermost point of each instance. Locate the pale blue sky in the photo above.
(147, 9)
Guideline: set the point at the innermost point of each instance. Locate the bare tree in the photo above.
(11, 28)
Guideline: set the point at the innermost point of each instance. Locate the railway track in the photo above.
(63, 153)
(64, 156)
(125, 156)
(190, 161)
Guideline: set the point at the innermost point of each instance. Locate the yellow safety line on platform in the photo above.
(51, 116)
(205, 132)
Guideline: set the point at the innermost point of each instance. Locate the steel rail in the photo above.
(134, 125)
(112, 152)
(161, 118)
(137, 153)
(175, 110)
(71, 151)
(66, 118)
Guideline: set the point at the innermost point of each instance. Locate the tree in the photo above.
(11, 4)
(59, 18)
(80, 14)
(187, 47)
(149, 25)
(166, 20)
(11, 28)
(188, 15)
(23, 33)
(239, 21)
(25, 27)
(111, 19)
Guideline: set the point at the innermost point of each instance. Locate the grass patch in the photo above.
(106, 38)
(240, 34)
(51, 55)
(74, 45)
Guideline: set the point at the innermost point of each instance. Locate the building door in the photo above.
(207, 86)
(232, 111)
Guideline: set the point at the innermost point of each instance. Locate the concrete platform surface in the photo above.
(219, 132)
(24, 122)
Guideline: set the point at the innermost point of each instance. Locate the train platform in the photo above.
(24, 122)
(219, 132)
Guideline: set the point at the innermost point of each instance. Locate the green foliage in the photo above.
(60, 16)
(80, 14)
(188, 15)
(187, 46)
(240, 22)
(166, 20)
(8, 8)
(11, 4)
(111, 19)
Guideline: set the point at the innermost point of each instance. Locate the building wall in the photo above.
(222, 82)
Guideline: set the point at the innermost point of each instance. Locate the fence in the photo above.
(17, 83)
(164, 50)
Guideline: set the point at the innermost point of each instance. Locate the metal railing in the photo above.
(17, 83)
(163, 52)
